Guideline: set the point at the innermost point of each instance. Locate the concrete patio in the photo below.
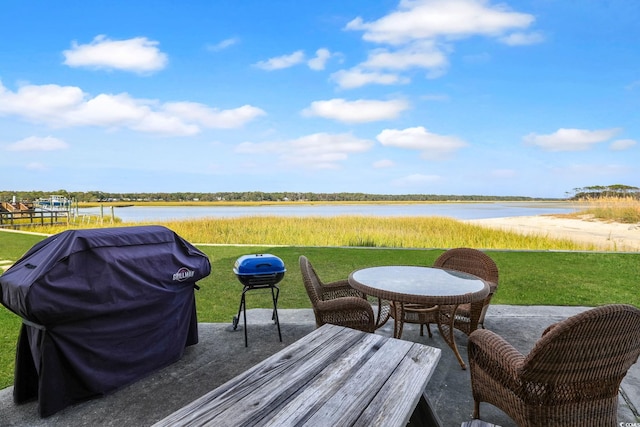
(220, 355)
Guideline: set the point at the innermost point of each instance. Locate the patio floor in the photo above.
(220, 355)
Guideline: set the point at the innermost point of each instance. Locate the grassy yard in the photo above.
(526, 278)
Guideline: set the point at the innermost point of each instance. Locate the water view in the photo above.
(460, 211)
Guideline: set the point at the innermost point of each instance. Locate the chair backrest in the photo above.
(595, 349)
(311, 280)
(470, 261)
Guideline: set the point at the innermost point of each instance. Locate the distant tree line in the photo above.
(600, 191)
(248, 196)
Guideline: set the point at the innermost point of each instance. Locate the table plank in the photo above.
(332, 376)
(340, 396)
(243, 386)
(392, 406)
(369, 384)
(327, 383)
(346, 357)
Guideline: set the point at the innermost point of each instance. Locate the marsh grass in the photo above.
(358, 231)
(625, 210)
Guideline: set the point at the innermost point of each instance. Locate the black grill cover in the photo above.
(101, 308)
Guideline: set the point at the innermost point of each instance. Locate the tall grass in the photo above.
(625, 210)
(359, 231)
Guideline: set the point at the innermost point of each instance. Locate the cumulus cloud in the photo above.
(316, 151)
(212, 117)
(35, 143)
(431, 145)
(139, 55)
(356, 77)
(360, 111)
(69, 106)
(420, 34)
(428, 19)
(570, 139)
(423, 54)
(319, 62)
(280, 62)
(622, 144)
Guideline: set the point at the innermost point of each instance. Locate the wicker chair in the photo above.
(468, 316)
(337, 302)
(472, 261)
(571, 376)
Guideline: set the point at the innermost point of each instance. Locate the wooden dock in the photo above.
(29, 218)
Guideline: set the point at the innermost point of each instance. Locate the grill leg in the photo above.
(274, 295)
(242, 309)
(236, 319)
(244, 313)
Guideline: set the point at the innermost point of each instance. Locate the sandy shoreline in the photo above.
(605, 235)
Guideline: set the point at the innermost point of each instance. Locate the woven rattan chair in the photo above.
(472, 261)
(571, 376)
(468, 316)
(336, 302)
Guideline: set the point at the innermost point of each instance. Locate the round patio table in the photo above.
(428, 286)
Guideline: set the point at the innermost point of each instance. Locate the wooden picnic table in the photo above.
(334, 376)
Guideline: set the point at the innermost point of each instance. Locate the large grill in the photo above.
(258, 271)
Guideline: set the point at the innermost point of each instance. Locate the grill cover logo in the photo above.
(183, 274)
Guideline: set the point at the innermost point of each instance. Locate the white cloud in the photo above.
(316, 151)
(280, 62)
(424, 54)
(40, 103)
(431, 146)
(68, 106)
(522, 39)
(318, 63)
(35, 143)
(420, 33)
(428, 19)
(139, 55)
(212, 117)
(570, 139)
(384, 163)
(356, 77)
(224, 44)
(360, 111)
(622, 144)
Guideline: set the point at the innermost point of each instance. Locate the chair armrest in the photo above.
(549, 328)
(490, 352)
(338, 289)
(347, 311)
(492, 288)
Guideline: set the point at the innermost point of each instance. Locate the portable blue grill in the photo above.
(258, 271)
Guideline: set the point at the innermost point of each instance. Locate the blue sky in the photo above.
(530, 98)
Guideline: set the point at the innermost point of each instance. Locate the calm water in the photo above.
(452, 210)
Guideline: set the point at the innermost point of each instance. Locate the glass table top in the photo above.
(419, 281)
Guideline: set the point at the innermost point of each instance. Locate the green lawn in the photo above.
(526, 278)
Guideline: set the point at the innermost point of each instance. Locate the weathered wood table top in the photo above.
(334, 376)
